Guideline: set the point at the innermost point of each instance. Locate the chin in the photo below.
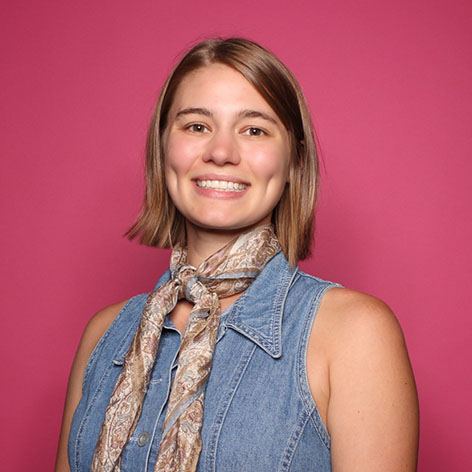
(218, 226)
(226, 224)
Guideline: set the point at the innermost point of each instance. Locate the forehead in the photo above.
(217, 85)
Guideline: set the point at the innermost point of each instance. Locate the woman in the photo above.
(237, 361)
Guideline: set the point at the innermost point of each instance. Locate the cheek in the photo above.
(179, 155)
(270, 164)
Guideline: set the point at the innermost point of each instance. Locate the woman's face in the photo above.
(226, 153)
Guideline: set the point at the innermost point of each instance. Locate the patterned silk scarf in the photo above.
(228, 271)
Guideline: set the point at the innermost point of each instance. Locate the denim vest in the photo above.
(259, 413)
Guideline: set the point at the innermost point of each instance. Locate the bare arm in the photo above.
(372, 410)
(92, 333)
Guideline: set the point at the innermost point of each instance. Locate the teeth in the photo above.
(221, 185)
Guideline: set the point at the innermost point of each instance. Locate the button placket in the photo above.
(153, 445)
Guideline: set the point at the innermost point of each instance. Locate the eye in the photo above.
(253, 131)
(196, 128)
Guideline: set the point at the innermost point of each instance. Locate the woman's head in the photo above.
(235, 60)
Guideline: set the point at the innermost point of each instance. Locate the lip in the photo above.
(222, 177)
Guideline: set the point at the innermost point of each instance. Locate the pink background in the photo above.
(389, 85)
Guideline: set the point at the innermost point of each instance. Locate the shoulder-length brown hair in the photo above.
(161, 224)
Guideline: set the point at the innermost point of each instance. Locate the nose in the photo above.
(221, 149)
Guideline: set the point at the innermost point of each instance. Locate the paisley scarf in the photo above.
(228, 271)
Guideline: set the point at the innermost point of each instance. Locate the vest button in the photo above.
(143, 439)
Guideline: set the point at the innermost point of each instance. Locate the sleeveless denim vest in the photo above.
(259, 413)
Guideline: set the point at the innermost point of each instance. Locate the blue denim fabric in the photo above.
(259, 413)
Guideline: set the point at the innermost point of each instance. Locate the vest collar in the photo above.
(258, 313)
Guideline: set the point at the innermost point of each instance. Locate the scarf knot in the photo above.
(188, 283)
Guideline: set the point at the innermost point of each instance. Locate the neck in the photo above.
(202, 242)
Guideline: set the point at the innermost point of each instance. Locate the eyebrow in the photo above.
(240, 114)
(194, 111)
(256, 114)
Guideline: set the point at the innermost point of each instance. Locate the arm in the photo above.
(92, 333)
(372, 410)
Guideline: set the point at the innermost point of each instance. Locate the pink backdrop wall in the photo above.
(389, 84)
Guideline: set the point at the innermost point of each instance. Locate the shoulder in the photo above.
(358, 320)
(102, 319)
(350, 308)
(97, 326)
(354, 335)
(350, 329)
(342, 309)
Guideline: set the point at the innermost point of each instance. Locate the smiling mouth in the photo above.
(222, 185)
